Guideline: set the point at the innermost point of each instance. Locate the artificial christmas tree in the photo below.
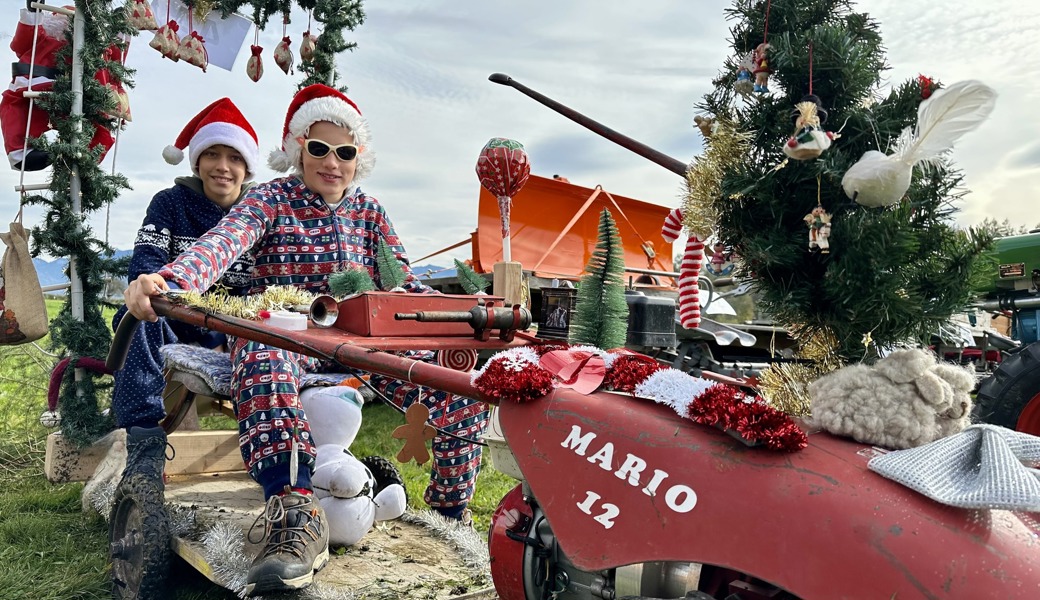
(894, 272)
(601, 312)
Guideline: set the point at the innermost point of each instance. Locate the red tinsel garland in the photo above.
(504, 382)
(721, 406)
(629, 370)
(728, 408)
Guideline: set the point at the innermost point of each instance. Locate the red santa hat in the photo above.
(218, 123)
(316, 103)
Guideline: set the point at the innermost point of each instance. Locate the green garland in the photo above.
(334, 15)
(601, 312)
(63, 233)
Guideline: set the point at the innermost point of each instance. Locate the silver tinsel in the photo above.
(224, 547)
(471, 545)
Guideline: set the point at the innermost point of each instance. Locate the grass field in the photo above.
(51, 550)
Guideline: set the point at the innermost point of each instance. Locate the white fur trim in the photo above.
(335, 111)
(173, 155)
(227, 134)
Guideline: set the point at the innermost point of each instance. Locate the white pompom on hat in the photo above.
(311, 105)
(219, 123)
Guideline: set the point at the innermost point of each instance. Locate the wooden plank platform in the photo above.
(395, 560)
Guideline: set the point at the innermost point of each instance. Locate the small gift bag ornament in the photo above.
(166, 41)
(255, 66)
(192, 50)
(809, 140)
(139, 15)
(23, 313)
(283, 56)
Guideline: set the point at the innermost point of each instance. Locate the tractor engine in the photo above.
(528, 564)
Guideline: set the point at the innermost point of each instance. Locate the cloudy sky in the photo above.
(420, 73)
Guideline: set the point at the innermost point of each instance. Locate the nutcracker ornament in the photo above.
(761, 70)
(819, 222)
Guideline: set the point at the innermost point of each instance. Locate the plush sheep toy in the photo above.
(345, 486)
(905, 400)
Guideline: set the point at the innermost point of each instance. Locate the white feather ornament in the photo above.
(878, 179)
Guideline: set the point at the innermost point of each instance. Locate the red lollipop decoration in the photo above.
(503, 169)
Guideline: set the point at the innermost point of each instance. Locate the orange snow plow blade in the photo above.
(554, 226)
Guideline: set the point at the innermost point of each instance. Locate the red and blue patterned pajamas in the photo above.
(295, 238)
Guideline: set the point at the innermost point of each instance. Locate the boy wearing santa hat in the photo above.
(223, 153)
(331, 225)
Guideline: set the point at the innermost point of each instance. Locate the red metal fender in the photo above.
(513, 515)
(623, 480)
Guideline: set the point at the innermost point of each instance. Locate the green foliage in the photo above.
(896, 272)
(351, 281)
(334, 15)
(63, 232)
(601, 313)
(391, 273)
(471, 281)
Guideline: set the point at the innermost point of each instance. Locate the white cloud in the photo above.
(420, 76)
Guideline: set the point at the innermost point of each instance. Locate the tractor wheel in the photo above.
(1011, 396)
(384, 471)
(139, 540)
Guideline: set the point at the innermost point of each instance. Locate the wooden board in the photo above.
(194, 452)
(398, 560)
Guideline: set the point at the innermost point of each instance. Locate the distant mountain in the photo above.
(52, 272)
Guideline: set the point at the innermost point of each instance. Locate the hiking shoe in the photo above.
(146, 454)
(297, 545)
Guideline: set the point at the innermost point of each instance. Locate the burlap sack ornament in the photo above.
(139, 15)
(255, 66)
(283, 56)
(166, 41)
(23, 314)
(192, 50)
(307, 46)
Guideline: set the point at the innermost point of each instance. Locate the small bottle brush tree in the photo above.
(894, 273)
(471, 281)
(391, 276)
(601, 312)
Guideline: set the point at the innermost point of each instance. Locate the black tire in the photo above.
(139, 540)
(384, 471)
(1016, 382)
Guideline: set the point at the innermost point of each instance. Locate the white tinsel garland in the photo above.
(673, 388)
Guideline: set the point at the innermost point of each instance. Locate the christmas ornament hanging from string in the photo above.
(255, 65)
(761, 59)
(809, 139)
(819, 222)
(166, 40)
(140, 16)
(283, 56)
(192, 48)
(744, 84)
(308, 43)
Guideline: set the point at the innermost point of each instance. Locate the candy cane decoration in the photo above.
(689, 269)
(460, 359)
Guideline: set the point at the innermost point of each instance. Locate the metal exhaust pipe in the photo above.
(324, 311)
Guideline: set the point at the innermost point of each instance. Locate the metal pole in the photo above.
(74, 183)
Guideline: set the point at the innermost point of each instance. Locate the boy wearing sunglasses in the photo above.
(300, 229)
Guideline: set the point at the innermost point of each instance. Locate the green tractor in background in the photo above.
(1010, 396)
